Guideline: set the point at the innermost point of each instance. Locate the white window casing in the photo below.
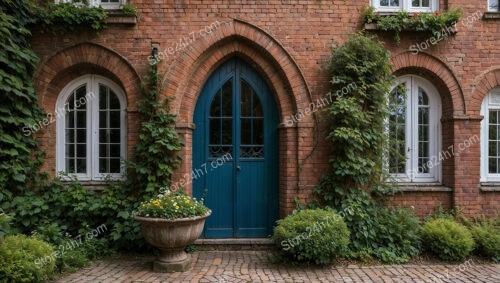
(91, 82)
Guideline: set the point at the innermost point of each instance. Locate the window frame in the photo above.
(484, 136)
(405, 5)
(92, 132)
(97, 3)
(411, 131)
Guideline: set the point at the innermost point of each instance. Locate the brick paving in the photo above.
(256, 266)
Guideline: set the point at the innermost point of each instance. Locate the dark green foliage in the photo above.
(5, 225)
(19, 106)
(129, 9)
(403, 20)
(447, 239)
(18, 257)
(61, 210)
(312, 236)
(357, 130)
(391, 236)
(356, 119)
(487, 238)
(67, 17)
(18, 102)
(156, 154)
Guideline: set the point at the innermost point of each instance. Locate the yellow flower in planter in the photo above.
(176, 207)
(156, 203)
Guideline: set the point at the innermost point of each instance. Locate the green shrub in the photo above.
(5, 227)
(312, 236)
(20, 258)
(398, 235)
(487, 238)
(447, 239)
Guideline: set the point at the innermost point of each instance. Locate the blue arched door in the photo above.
(235, 152)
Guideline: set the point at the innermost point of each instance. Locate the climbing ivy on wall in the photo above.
(356, 119)
(19, 156)
(156, 150)
(18, 102)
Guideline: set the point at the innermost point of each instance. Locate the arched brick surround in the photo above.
(57, 71)
(439, 74)
(186, 76)
(483, 85)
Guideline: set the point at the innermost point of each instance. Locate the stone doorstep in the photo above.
(234, 244)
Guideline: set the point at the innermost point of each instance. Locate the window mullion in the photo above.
(94, 115)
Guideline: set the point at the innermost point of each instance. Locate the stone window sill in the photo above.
(422, 187)
(92, 185)
(490, 187)
(491, 15)
(117, 17)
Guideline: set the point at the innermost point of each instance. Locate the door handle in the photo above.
(238, 168)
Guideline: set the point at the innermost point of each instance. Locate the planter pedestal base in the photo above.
(176, 266)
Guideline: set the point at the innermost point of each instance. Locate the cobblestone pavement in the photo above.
(256, 266)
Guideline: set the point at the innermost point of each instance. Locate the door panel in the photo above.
(236, 114)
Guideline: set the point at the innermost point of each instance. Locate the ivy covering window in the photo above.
(490, 137)
(407, 5)
(414, 131)
(90, 115)
(493, 5)
(106, 4)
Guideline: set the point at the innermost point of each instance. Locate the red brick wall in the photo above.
(287, 42)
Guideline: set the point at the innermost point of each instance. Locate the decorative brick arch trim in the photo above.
(55, 72)
(483, 85)
(187, 75)
(438, 73)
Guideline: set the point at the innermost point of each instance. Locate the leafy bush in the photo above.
(20, 257)
(447, 239)
(312, 235)
(5, 227)
(487, 238)
(171, 205)
(390, 236)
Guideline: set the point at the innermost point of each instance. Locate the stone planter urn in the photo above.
(171, 236)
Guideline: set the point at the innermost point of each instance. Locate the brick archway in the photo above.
(439, 74)
(187, 75)
(483, 85)
(57, 71)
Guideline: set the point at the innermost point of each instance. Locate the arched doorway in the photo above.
(235, 152)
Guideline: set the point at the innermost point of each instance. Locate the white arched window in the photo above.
(490, 137)
(91, 134)
(414, 131)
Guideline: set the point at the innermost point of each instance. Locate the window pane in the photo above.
(397, 130)
(389, 3)
(215, 106)
(227, 99)
(426, 3)
(493, 5)
(252, 123)
(109, 130)
(227, 131)
(422, 97)
(75, 131)
(493, 142)
(415, 3)
(246, 131)
(215, 127)
(221, 122)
